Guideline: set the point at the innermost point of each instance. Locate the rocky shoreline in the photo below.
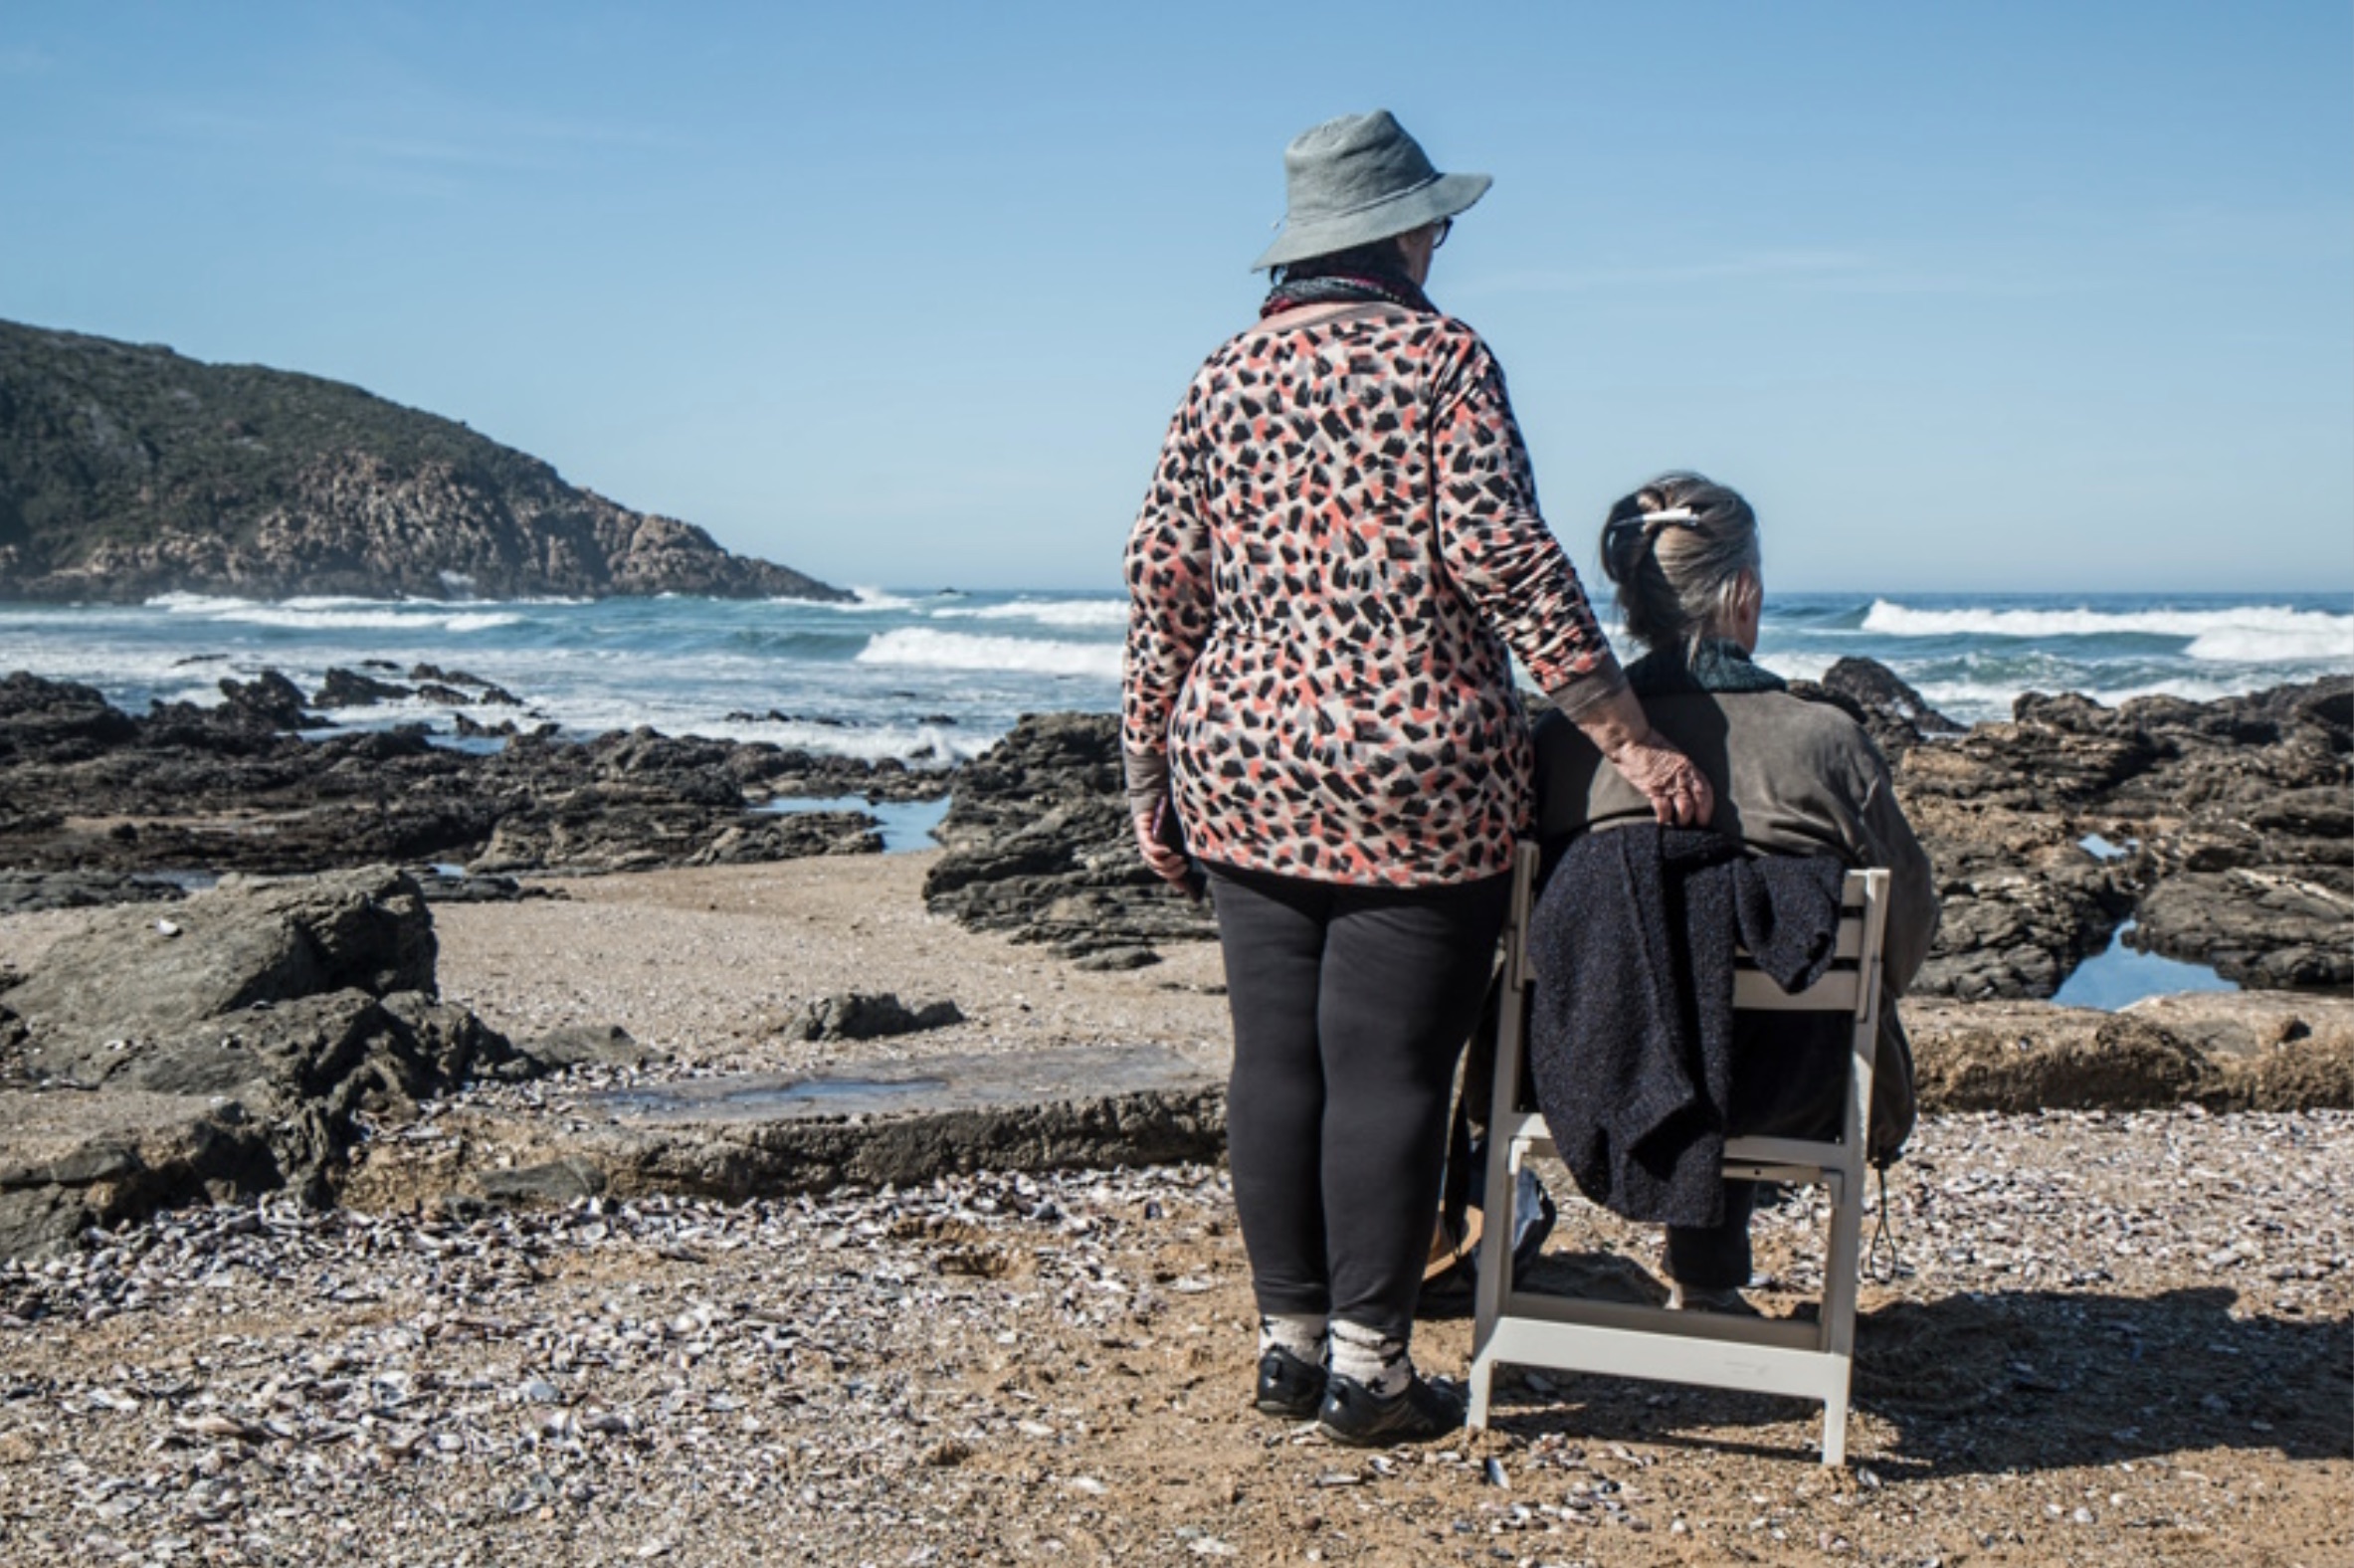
(257, 1036)
(97, 796)
(2216, 833)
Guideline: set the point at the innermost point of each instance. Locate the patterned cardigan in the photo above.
(1343, 520)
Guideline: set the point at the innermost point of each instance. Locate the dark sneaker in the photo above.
(1355, 1415)
(1289, 1386)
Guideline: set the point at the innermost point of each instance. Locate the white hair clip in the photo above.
(1653, 519)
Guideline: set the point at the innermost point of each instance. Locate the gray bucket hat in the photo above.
(1357, 180)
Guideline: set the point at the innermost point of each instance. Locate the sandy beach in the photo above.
(2122, 1337)
(709, 965)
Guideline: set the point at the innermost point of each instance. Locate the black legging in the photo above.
(1350, 1005)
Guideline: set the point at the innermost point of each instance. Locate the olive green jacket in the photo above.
(1791, 777)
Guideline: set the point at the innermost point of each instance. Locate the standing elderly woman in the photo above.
(1341, 524)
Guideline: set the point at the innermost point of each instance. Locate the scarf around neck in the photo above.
(1718, 665)
(1353, 287)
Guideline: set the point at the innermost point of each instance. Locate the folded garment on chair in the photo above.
(1630, 1031)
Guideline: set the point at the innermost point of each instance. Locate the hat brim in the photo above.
(1443, 197)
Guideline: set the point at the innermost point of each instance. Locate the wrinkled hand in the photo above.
(1679, 793)
(1169, 865)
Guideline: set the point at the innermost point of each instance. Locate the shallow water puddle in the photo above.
(2101, 849)
(2121, 975)
(906, 824)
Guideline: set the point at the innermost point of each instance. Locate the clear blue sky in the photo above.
(1967, 296)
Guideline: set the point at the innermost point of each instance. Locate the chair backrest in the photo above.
(1850, 986)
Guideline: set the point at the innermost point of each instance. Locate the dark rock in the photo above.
(216, 789)
(2259, 927)
(22, 892)
(439, 887)
(1040, 845)
(1894, 715)
(1112, 959)
(585, 1044)
(254, 1102)
(232, 1047)
(2237, 808)
(435, 676)
(55, 721)
(349, 689)
(127, 975)
(267, 702)
(859, 1015)
(556, 1182)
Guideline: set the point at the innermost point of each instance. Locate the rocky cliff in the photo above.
(127, 470)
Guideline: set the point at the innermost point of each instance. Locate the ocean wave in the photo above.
(336, 613)
(198, 603)
(869, 600)
(1794, 665)
(922, 648)
(592, 713)
(2331, 645)
(2247, 634)
(1070, 613)
(1975, 700)
(369, 620)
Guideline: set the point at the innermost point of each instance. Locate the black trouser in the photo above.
(1350, 1006)
(1790, 1081)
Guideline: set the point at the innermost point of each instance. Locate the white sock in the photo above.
(1301, 1334)
(1372, 1358)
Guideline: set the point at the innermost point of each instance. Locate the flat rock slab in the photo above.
(767, 1134)
(928, 1087)
(2235, 1052)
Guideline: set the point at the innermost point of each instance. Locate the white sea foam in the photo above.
(923, 648)
(595, 713)
(867, 600)
(1073, 613)
(1973, 700)
(1796, 666)
(2241, 634)
(198, 603)
(341, 614)
(2332, 642)
(371, 619)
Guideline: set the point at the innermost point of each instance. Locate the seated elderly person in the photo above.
(1792, 777)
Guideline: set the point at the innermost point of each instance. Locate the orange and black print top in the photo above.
(1342, 522)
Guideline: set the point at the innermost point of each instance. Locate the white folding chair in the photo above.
(1810, 1360)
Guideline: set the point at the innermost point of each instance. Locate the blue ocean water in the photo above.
(940, 676)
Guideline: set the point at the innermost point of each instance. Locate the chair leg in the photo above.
(1842, 1267)
(1497, 1224)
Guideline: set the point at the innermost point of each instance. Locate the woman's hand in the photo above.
(1169, 865)
(1679, 793)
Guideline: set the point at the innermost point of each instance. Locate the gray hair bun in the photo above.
(1677, 550)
